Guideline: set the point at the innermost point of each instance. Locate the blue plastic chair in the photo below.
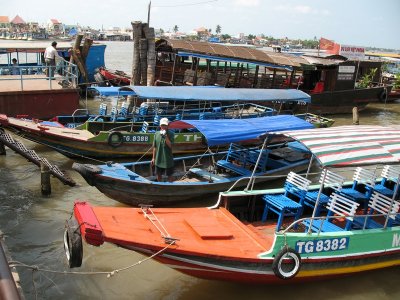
(378, 204)
(290, 203)
(388, 185)
(338, 205)
(328, 179)
(362, 188)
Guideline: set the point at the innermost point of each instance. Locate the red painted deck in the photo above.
(200, 231)
(37, 97)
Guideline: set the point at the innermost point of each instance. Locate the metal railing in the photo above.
(68, 73)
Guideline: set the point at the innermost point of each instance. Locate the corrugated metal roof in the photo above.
(247, 53)
(240, 52)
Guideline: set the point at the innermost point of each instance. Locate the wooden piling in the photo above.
(143, 61)
(2, 147)
(356, 120)
(85, 49)
(151, 54)
(137, 34)
(45, 179)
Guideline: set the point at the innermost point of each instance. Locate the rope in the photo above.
(15, 263)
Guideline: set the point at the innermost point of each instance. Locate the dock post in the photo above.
(356, 120)
(45, 179)
(2, 149)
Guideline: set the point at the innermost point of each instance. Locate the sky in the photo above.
(368, 23)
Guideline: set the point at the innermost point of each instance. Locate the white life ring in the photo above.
(278, 263)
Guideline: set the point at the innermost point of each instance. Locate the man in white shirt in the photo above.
(50, 59)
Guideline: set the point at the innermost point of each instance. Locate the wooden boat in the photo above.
(330, 82)
(204, 174)
(235, 240)
(106, 136)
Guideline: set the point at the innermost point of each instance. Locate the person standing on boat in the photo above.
(50, 55)
(163, 159)
(15, 67)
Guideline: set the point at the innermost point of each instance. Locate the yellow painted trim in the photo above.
(336, 271)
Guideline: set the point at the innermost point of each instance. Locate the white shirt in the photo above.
(50, 53)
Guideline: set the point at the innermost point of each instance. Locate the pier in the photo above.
(46, 167)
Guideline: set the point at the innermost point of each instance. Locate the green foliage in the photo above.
(310, 44)
(251, 36)
(218, 29)
(226, 36)
(367, 79)
(176, 28)
(397, 82)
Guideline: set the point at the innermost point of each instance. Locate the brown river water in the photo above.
(34, 225)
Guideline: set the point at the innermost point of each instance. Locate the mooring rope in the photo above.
(14, 263)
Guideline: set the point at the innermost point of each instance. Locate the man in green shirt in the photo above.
(163, 159)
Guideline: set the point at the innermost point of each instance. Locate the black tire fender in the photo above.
(73, 243)
(290, 253)
(115, 139)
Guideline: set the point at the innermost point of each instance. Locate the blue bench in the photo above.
(242, 160)
(338, 205)
(284, 204)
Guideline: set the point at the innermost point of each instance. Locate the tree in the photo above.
(218, 29)
(251, 36)
(225, 37)
(176, 28)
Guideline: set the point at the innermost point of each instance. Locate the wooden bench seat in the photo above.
(207, 175)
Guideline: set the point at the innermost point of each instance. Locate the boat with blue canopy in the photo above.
(274, 236)
(208, 173)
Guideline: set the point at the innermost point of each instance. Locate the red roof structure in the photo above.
(4, 19)
(55, 21)
(17, 20)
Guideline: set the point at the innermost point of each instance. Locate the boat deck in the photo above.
(12, 83)
(198, 230)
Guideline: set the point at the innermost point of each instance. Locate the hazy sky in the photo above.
(351, 22)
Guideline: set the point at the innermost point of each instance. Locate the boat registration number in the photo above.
(324, 245)
(136, 138)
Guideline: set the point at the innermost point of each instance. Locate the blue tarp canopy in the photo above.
(112, 91)
(225, 131)
(188, 93)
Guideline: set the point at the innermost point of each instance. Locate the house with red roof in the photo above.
(18, 24)
(4, 23)
(54, 26)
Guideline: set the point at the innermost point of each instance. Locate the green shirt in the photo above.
(164, 158)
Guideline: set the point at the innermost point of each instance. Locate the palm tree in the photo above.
(176, 28)
(218, 29)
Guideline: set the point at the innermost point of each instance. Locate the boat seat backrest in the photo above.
(103, 109)
(296, 185)
(145, 127)
(332, 180)
(383, 205)
(363, 176)
(342, 206)
(390, 173)
(124, 109)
